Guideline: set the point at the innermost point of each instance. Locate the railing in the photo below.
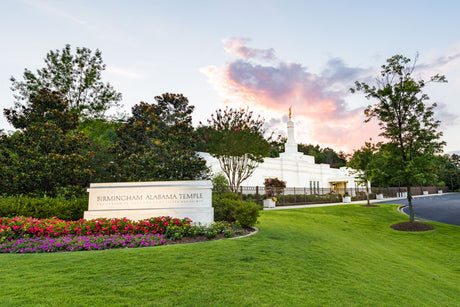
(302, 195)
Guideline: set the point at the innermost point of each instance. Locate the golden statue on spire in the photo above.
(290, 112)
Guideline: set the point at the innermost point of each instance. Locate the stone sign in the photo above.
(142, 200)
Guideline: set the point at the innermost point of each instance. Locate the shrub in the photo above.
(223, 206)
(246, 213)
(228, 207)
(43, 207)
(274, 186)
(220, 184)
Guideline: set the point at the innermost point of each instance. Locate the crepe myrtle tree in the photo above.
(406, 121)
(236, 138)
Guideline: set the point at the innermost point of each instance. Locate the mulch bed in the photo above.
(408, 226)
(197, 239)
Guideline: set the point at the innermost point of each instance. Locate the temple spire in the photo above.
(291, 145)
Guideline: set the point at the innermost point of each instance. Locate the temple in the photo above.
(296, 168)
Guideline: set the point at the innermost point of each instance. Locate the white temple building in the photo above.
(296, 168)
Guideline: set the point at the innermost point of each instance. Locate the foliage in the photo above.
(406, 121)
(246, 213)
(277, 147)
(361, 164)
(228, 207)
(102, 134)
(77, 76)
(324, 155)
(46, 155)
(236, 138)
(43, 207)
(308, 198)
(156, 143)
(274, 186)
(219, 184)
(448, 171)
(176, 232)
(100, 131)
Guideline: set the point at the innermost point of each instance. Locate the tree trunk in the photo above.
(367, 193)
(409, 201)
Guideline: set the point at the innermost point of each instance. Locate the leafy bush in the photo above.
(305, 198)
(43, 207)
(220, 184)
(246, 213)
(228, 207)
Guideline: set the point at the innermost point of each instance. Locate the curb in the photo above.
(401, 209)
(256, 230)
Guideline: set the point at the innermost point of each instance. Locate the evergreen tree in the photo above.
(46, 155)
(157, 143)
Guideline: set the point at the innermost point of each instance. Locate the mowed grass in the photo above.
(329, 256)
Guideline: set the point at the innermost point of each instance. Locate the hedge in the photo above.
(43, 207)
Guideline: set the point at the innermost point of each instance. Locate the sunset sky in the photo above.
(265, 55)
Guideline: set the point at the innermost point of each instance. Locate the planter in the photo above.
(425, 192)
(347, 199)
(379, 196)
(402, 194)
(439, 191)
(269, 203)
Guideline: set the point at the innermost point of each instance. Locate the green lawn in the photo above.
(329, 256)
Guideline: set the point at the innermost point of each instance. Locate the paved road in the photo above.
(439, 208)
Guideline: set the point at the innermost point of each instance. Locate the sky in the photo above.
(264, 55)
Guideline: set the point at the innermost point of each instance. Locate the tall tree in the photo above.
(157, 142)
(236, 138)
(77, 76)
(406, 120)
(46, 155)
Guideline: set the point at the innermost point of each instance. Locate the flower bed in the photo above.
(72, 243)
(31, 235)
(21, 226)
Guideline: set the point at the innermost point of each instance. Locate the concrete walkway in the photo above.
(333, 204)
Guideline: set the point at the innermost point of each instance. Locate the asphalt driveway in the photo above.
(440, 208)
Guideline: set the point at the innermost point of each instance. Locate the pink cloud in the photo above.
(237, 47)
(316, 98)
